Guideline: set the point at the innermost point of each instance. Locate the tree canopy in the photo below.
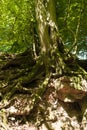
(18, 25)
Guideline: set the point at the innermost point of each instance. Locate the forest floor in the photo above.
(49, 113)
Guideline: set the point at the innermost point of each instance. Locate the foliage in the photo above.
(16, 24)
(72, 24)
(18, 27)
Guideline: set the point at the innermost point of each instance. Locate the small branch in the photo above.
(75, 37)
(77, 32)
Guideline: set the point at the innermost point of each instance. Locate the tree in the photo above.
(53, 64)
(54, 55)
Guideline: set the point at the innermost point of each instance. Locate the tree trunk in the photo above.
(48, 34)
(46, 18)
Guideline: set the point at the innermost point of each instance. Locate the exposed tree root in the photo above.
(23, 86)
(42, 88)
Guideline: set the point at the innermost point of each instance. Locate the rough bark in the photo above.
(50, 41)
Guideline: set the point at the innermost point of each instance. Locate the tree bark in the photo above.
(45, 14)
(48, 34)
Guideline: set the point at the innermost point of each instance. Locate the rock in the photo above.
(71, 89)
